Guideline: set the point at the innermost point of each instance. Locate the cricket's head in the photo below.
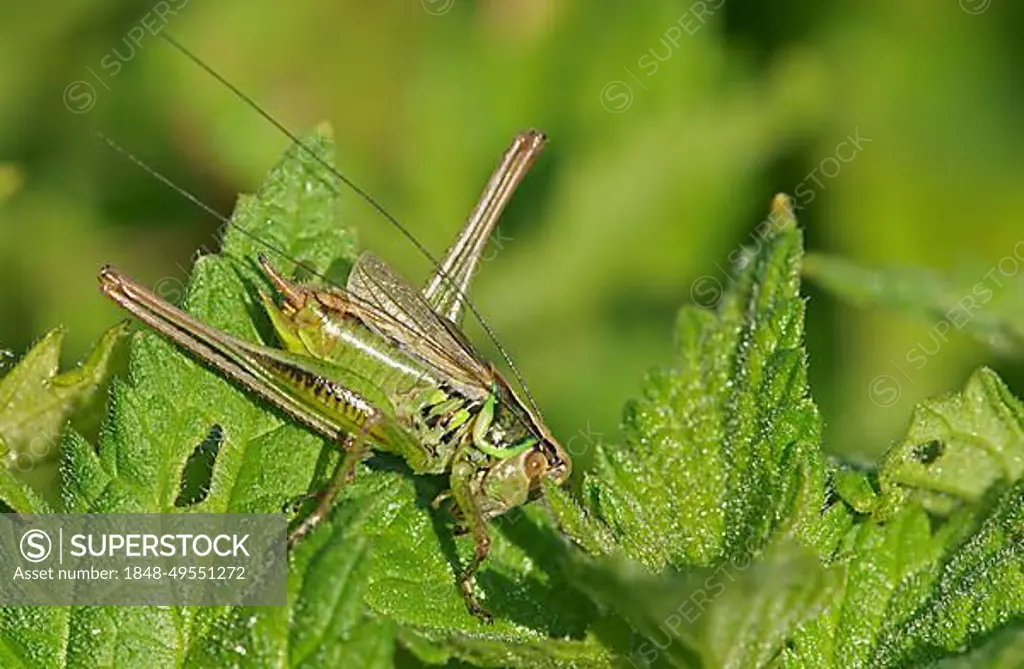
(547, 460)
(519, 478)
(520, 424)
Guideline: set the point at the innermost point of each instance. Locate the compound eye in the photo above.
(535, 465)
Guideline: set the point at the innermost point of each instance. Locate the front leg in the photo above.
(462, 482)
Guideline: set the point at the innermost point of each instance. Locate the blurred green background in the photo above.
(671, 125)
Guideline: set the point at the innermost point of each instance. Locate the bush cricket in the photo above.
(381, 366)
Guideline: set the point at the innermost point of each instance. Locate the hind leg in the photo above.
(354, 451)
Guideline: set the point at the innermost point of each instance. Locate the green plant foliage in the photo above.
(10, 181)
(36, 403)
(957, 447)
(984, 302)
(722, 449)
(738, 614)
(1004, 651)
(714, 535)
(914, 594)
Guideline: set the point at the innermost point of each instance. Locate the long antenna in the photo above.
(145, 167)
(369, 199)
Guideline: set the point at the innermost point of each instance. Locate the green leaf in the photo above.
(920, 587)
(898, 592)
(1004, 651)
(759, 607)
(36, 403)
(986, 302)
(957, 447)
(739, 614)
(722, 449)
(722, 456)
(855, 488)
(913, 594)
